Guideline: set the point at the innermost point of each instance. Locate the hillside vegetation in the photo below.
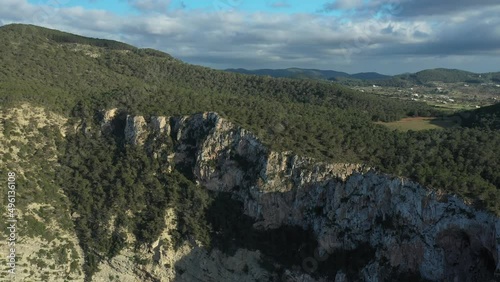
(487, 117)
(428, 78)
(310, 74)
(423, 77)
(443, 75)
(78, 76)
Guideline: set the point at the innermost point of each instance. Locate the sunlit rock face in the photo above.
(409, 229)
(356, 224)
(135, 130)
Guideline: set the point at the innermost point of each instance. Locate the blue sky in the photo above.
(386, 36)
(124, 7)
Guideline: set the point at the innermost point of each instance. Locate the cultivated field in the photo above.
(420, 123)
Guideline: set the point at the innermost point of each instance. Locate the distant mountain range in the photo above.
(421, 77)
(311, 73)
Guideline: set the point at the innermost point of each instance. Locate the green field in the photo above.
(454, 107)
(420, 123)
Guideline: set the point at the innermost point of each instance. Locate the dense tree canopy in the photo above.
(487, 117)
(319, 119)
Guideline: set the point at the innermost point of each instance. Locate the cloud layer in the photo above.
(388, 36)
(150, 5)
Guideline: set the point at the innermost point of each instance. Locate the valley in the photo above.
(451, 97)
(447, 89)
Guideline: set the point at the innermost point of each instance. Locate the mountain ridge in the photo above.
(308, 73)
(292, 72)
(421, 77)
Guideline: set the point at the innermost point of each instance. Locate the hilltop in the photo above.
(299, 73)
(367, 78)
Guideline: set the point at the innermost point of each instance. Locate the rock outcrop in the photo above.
(411, 229)
(135, 130)
(367, 226)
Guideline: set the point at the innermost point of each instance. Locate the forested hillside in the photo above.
(78, 77)
(310, 74)
(424, 77)
(369, 78)
(443, 75)
(487, 117)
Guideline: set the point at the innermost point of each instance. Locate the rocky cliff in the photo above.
(339, 222)
(406, 230)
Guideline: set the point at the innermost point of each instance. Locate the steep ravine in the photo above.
(385, 227)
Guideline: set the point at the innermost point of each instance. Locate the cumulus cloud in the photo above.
(150, 5)
(463, 39)
(343, 5)
(443, 7)
(409, 8)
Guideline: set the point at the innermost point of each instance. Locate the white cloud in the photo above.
(238, 39)
(160, 6)
(344, 5)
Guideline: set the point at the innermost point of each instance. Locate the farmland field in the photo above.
(420, 123)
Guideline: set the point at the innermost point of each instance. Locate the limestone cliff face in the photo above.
(135, 130)
(411, 229)
(380, 226)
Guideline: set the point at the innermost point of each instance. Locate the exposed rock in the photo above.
(411, 230)
(135, 130)
(160, 125)
(109, 115)
(388, 228)
(107, 119)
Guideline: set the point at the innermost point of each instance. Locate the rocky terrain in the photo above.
(47, 248)
(364, 225)
(410, 229)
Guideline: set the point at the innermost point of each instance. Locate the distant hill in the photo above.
(440, 75)
(369, 78)
(310, 73)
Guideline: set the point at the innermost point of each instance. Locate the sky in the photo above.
(385, 36)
